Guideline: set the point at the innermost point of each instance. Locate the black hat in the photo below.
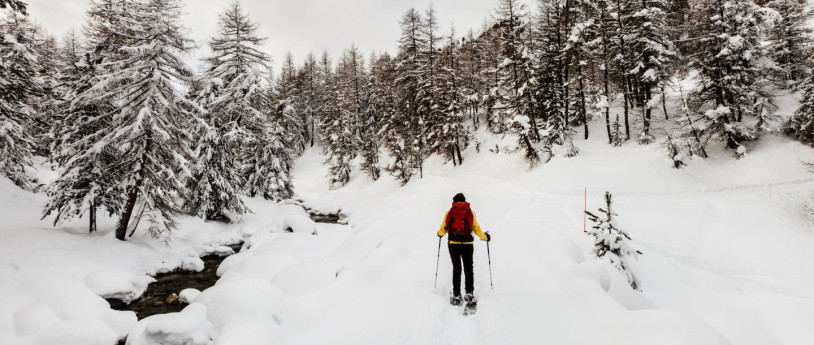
(459, 198)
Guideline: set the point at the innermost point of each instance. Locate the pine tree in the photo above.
(14, 5)
(516, 106)
(48, 101)
(652, 52)
(732, 78)
(18, 87)
(309, 74)
(376, 103)
(617, 137)
(147, 124)
(408, 147)
(550, 36)
(341, 127)
(604, 49)
(801, 125)
(790, 40)
(610, 242)
(90, 177)
(287, 99)
(472, 84)
(453, 135)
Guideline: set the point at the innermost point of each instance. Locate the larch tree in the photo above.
(340, 127)
(148, 124)
(790, 41)
(18, 87)
(516, 104)
(231, 92)
(732, 77)
(652, 52)
(408, 147)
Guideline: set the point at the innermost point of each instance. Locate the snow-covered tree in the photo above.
(381, 111)
(246, 150)
(516, 106)
(611, 242)
(287, 98)
(453, 136)
(408, 147)
(309, 103)
(90, 177)
(14, 5)
(18, 87)
(652, 52)
(343, 127)
(147, 125)
(376, 99)
(801, 125)
(790, 40)
(48, 102)
(733, 80)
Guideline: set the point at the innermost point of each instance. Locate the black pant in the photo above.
(458, 253)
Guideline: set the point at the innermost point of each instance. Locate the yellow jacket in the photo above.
(475, 227)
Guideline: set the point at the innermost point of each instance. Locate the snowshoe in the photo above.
(455, 300)
(471, 304)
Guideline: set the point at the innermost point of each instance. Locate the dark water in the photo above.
(157, 299)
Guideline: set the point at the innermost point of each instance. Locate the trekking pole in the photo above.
(437, 260)
(489, 255)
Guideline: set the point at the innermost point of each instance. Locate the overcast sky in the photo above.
(299, 26)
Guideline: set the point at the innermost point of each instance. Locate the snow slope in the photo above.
(727, 251)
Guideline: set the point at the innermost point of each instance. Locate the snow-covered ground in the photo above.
(726, 246)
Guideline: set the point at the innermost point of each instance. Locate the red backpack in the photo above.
(459, 220)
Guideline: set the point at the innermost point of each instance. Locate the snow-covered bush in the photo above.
(610, 242)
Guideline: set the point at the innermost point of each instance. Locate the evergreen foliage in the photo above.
(18, 87)
(611, 242)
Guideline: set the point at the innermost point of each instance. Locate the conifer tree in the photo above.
(90, 178)
(47, 103)
(409, 147)
(147, 124)
(310, 79)
(732, 77)
(790, 40)
(471, 62)
(611, 242)
(377, 100)
(453, 134)
(341, 127)
(516, 106)
(801, 124)
(287, 98)
(14, 5)
(652, 52)
(18, 87)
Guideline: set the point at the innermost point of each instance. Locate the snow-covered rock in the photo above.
(115, 283)
(188, 327)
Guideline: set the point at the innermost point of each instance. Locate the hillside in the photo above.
(725, 243)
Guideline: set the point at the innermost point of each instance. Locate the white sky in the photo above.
(299, 26)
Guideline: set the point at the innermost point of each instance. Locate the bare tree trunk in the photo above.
(92, 225)
(132, 194)
(124, 221)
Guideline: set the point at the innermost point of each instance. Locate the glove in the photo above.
(488, 237)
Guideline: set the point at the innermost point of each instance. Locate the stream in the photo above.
(161, 296)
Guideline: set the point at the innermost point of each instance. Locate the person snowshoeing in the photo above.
(459, 222)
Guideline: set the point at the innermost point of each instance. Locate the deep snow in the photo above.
(726, 258)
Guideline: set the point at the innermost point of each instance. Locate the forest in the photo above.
(140, 135)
